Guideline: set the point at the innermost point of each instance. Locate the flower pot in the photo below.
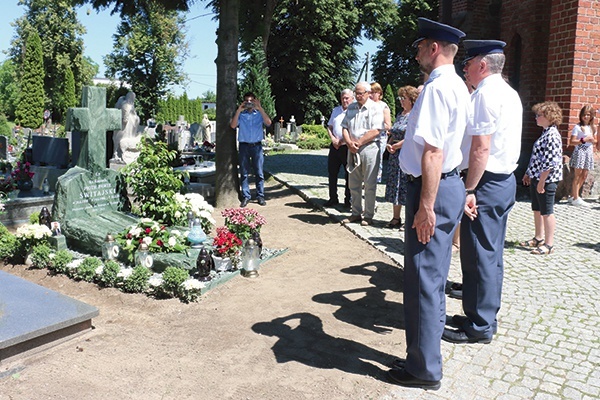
(25, 186)
(222, 264)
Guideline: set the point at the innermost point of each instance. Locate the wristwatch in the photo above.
(470, 191)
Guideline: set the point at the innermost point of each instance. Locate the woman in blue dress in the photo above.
(395, 188)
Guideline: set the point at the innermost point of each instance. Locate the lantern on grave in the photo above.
(250, 259)
(110, 248)
(190, 219)
(204, 264)
(46, 186)
(45, 218)
(143, 256)
(196, 235)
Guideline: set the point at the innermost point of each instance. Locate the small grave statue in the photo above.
(45, 217)
(205, 129)
(125, 141)
(204, 264)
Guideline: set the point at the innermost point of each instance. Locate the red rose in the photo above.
(148, 230)
(159, 243)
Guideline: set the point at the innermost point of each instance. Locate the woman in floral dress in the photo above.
(395, 188)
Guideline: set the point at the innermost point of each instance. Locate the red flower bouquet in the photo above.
(226, 243)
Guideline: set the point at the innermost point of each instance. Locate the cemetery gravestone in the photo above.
(48, 150)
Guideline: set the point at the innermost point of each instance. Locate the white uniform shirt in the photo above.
(359, 120)
(335, 121)
(439, 118)
(497, 111)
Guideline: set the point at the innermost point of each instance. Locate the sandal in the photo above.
(534, 242)
(543, 250)
(394, 223)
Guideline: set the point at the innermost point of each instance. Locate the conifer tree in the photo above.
(256, 78)
(390, 100)
(30, 111)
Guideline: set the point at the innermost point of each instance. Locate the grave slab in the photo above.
(33, 318)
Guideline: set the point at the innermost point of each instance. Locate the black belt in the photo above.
(251, 144)
(444, 175)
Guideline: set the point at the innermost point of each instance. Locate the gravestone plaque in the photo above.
(3, 148)
(196, 131)
(48, 150)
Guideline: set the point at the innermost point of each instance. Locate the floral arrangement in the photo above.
(208, 146)
(226, 243)
(195, 203)
(243, 221)
(31, 235)
(22, 172)
(7, 184)
(158, 238)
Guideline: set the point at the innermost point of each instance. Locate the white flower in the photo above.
(172, 241)
(175, 232)
(1, 206)
(99, 269)
(145, 220)
(128, 241)
(192, 284)
(155, 280)
(75, 263)
(147, 240)
(135, 232)
(125, 273)
(177, 214)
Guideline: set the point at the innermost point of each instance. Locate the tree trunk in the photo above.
(227, 181)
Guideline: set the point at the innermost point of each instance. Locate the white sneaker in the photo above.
(579, 202)
(570, 200)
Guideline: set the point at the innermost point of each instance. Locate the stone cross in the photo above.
(93, 119)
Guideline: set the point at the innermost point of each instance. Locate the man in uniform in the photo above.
(430, 157)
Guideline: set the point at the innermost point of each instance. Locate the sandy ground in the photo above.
(322, 321)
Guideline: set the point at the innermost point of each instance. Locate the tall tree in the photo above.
(390, 100)
(394, 63)
(310, 63)
(55, 21)
(9, 89)
(67, 96)
(256, 78)
(30, 110)
(149, 51)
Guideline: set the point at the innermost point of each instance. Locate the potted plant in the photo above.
(22, 175)
(243, 221)
(227, 247)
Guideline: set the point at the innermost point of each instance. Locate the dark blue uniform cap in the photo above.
(476, 48)
(429, 29)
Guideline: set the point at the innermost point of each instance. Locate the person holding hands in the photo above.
(583, 138)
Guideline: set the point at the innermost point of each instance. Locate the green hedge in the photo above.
(313, 137)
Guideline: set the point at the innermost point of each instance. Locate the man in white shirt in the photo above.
(430, 157)
(360, 127)
(338, 151)
(491, 150)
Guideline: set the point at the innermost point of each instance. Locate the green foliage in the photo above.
(173, 277)
(394, 63)
(256, 78)
(154, 182)
(9, 89)
(209, 96)
(34, 217)
(87, 269)
(110, 274)
(307, 75)
(8, 243)
(149, 51)
(60, 261)
(62, 42)
(66, 97)
(170, 109)
(5, 129)
(138, 280)
(313, 137)
(30, 109)
(390, 100)
(40, 256)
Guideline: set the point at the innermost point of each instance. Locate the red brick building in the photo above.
(553, 50)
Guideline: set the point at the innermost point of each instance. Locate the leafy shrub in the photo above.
(110, 274)
(313, 137)
(34, 217)
(8, 244)
(87, 269)
(40, 256)
(173, 277)
(60, 261)
(137, 281)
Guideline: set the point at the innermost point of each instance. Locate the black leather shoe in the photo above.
(455, 294)
(403, 378)
(458, 321)
(244, 203)
(261, 201)
(461, 337)
(331, 203)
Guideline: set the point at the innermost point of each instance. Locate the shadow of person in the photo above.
(383, 276)
(370, 311)
(308, 344)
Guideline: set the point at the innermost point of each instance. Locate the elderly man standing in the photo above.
(491, 151)
(338, 151)
(361, 127)
(430, 157)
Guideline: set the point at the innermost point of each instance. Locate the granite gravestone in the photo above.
(91, 199)
(3, 148)
(48, 150)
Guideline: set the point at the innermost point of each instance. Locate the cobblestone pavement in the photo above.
(548, 345)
